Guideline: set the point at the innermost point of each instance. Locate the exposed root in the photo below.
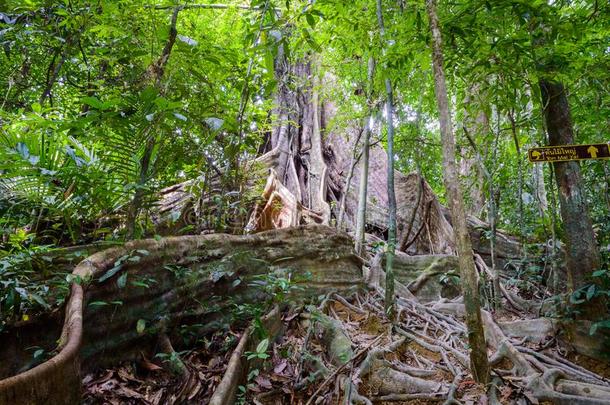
(547, 379)
(346, 352)
(452, 390)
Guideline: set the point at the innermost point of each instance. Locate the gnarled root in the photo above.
(548, 379)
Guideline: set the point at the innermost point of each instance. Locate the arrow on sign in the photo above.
(536, 155)
(593, 151)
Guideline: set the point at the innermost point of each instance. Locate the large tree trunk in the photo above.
(294, 191)
(582, 254)
(476, 336)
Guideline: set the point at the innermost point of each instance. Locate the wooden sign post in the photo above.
(565, 153)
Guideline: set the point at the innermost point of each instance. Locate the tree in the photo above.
(364, 175)
(468, 275)
(391, 246)
(582, 254)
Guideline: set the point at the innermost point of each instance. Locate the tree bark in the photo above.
(391, 246)
(491, 217)
(364, 175)
(362, 193)
(582, 254)
(476, 337)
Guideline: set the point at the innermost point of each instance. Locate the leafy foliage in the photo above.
(84, 129)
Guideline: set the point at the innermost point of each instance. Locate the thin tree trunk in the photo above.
(348, 182)
(491, 208)
(582, 254)
(389, 271)
(513, 128)
(363, 192)
(493, 220)
(54, 73)
(476, 336)
(364, 174)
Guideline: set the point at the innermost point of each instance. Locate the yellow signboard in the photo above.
(565, 153)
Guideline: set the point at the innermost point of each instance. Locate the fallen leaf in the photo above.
(280, 378)
(263, 381)
(280, 367)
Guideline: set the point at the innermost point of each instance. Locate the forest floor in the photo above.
(346, 351)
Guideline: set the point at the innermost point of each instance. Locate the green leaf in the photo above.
(575, 300)
(140, 326)
(39, 300)
(110, 273)
(599, 273)
(98, 304)
(262, 346)
(93, 102)
(600, 324)
(310, 20)
(314, 45)
(122, 280)
(139, 284)
(590, 292)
